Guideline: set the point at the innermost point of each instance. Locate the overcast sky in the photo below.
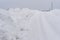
(33, 4)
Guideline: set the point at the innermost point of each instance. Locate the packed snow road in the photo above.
(45, 26)
(27, 24)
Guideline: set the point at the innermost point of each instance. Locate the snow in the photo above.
(28, 24)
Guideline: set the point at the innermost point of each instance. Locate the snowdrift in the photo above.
(28, 24)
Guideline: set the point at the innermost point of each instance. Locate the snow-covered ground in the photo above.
(27, 24)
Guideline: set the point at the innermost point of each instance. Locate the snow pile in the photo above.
(15, 22)
(27, 24)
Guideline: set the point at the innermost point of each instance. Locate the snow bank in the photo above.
(28, 24)
(15, 22)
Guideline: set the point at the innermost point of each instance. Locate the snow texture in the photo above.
(27, 24)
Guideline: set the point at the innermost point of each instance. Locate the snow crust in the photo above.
(28, 24)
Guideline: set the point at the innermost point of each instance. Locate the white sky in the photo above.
(34, 4)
